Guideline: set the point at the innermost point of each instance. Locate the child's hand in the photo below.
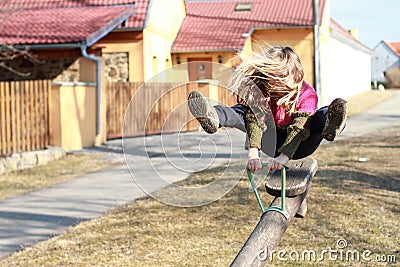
(254, 162)
(278, 162)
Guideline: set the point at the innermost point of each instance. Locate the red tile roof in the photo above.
(136, 21)
(217, 26)
(395, 47)
(61, 25)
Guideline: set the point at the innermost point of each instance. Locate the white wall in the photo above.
(349, 71)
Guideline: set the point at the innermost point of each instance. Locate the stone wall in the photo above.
(63, 69)
(71, 74)
(20, 161)
(117, 67)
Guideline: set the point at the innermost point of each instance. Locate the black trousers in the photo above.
(272, 138)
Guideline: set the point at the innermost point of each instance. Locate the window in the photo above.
(244, 6)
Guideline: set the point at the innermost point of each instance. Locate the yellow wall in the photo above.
(248, 47)
(74, 123)
(300, 39)
(102, 137)
(55, 117)
(164, 22)
(87, 70)
(74, 111)
(220, 73)
(226, 57)
(149, 51)
(134, 48)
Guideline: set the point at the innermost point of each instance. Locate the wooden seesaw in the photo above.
(295, 180)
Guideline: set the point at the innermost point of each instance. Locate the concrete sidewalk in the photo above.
(39, 215)
(373, 120)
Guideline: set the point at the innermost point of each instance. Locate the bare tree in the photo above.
(9, 52)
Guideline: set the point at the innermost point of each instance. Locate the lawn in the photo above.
(354, 199)
(57, 171)
(73, 165)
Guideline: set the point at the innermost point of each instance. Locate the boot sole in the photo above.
(203, 112)
(337, 115)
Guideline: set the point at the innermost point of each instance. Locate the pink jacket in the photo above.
(307, 102)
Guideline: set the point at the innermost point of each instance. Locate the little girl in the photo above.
(270, 84)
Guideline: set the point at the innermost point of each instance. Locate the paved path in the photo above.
(373, 120)
(36, 216)
(39, 215)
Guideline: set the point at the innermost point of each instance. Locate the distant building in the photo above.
(386, 55)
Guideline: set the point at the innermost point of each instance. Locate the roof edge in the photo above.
(391, 47)
(49, 45)
(346, 37)
(146, 20)
(96, 36)
(206, 50)
(351, 42)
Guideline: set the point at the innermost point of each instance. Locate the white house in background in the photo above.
(348, 64)
(385, 55)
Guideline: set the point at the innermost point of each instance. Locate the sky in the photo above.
(376, 20)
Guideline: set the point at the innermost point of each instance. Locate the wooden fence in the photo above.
(24, 116)
(154, 108)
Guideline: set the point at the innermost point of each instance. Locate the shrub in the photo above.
(393, 78)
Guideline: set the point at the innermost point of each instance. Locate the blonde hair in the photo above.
(276, 71)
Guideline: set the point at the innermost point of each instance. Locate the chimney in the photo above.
(354, 33)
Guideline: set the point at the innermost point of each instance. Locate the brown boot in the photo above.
(203, 112)
(337, 115)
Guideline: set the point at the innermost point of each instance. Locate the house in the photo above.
(52, 38)
(348, 64)
(80, 45)
(217, 30)
(385, 55)
(135, 47)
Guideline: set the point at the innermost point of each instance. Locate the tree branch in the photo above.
(23, 74)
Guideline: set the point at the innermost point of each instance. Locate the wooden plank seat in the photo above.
(298, 175)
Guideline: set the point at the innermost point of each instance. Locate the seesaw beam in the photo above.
(260, 245)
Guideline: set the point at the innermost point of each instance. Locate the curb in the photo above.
(25, 160)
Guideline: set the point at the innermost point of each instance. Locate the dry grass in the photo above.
(366, 100)
(24, 181)
(351, 200)
(67, 167)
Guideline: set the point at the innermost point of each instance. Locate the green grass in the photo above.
(351, 200)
